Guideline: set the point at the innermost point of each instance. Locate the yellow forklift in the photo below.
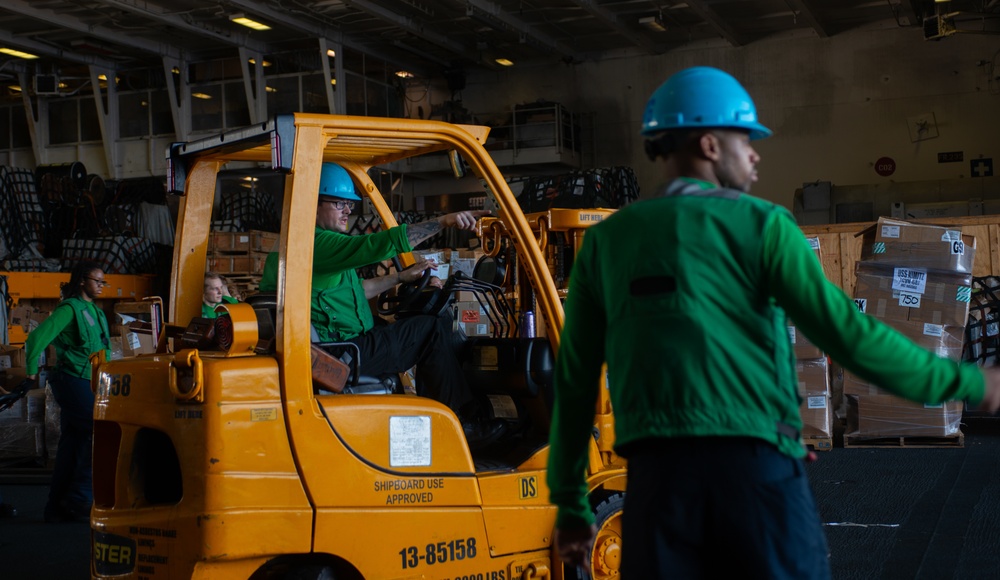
(220, 456)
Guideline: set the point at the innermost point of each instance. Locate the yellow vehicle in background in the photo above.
(219, 456)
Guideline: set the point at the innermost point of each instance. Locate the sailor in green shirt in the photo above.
(216, 293)
(77, 328)
(340, 310)
(685, 296)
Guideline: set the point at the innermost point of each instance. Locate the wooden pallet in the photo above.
(818, 443)
(956, 441)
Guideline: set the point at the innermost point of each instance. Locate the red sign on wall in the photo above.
(885, 166)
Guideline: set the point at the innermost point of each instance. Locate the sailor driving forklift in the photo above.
(340, 309)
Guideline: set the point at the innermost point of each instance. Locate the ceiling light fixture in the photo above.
(201, 96)
(270, 89)
(654, 23)
(240, 18)
(404, 74)
(15, 88)
(331, 53)
(18, 53)
(505, 62)
(262, 63)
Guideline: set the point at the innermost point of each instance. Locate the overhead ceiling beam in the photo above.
(701, 8)
(318, 31)
(610, 19)
(410, 26)
(804, 10)
(105, 34)
(42, 49)
(494, 15)
(236, 38)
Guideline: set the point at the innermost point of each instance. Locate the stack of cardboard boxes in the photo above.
(813, 373)
(240, 257)
(916, 278)
(25, 428)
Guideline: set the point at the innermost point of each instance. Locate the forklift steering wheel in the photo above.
(406, 293)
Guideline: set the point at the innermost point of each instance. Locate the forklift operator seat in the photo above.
(265, 305)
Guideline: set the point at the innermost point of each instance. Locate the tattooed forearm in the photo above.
(417, 233)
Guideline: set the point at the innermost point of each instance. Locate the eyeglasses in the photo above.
(100, 283)
(339, 204)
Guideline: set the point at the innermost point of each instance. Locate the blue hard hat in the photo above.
(699, 97)
(334, 181)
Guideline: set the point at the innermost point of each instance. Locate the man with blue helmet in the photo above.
(340, 310)
(700, 369)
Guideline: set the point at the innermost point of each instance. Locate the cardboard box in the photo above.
(463, 265)
(911, 244)
(803, 348)
(891, 416)
(907, 294)
(22, 440)
(26, 316)
(814, 389)
(140, 325)
(813, 375)
(11, 356)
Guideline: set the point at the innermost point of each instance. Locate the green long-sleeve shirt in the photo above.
(209, 311)
(78, 329)
(339, 308)
(685, 296)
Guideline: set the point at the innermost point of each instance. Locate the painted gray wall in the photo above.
(836, 104)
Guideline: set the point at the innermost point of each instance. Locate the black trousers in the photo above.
(718, 507)
(424, 341)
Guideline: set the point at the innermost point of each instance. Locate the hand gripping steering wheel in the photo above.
(406, 293)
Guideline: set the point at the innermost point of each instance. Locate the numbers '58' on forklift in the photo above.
(220, 456)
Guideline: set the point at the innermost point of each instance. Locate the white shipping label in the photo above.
(244, 239)
(791, 334)
(951, 236)
(933, 329)
(957, 248)
(410, 441)
(909, 280)
(909, 299)
(813, 243)
(817, 402)
(992, 329)
(482, 329)
(862, 304)
(5, 361)
(133, 341)
(890, 231)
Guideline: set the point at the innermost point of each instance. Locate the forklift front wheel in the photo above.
(606, 556)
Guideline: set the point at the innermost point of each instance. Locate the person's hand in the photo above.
(575, 544)
(463, 220)
(991, 400)
(414, 272)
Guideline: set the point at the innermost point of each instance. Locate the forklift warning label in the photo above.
(113, 555)
(410, 441)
